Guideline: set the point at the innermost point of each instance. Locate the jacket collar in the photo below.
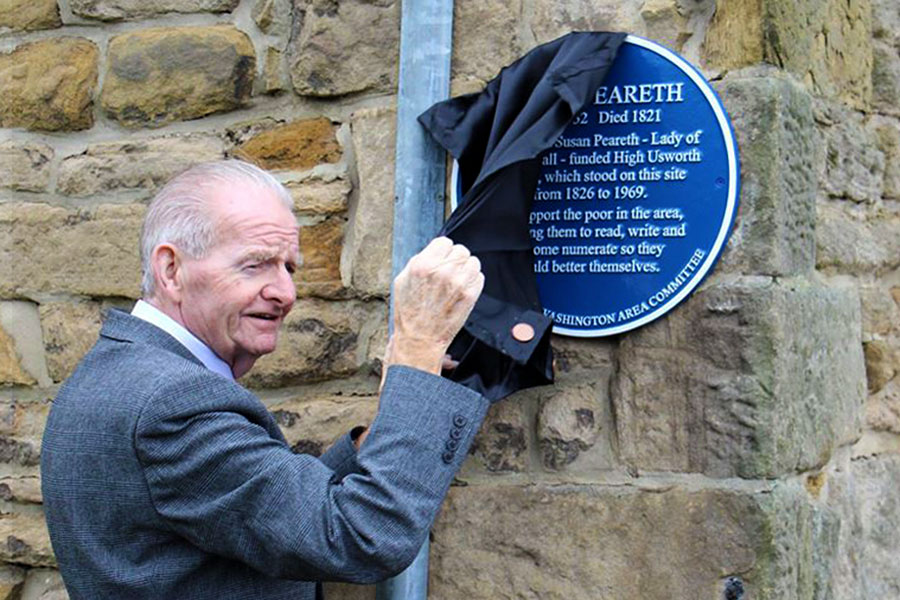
(119, 325)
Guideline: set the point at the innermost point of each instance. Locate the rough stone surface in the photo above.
(272, 79)
(885, 78)
(20, 321)
(880, 312)
(44, 584)
(883, 409)
(273, 17)
(554, 18)
(854, 166)
(93, 250)
(747, 378)
(296, 145)
(11, 580)
(316, 195)
(368, 246)
(25, 540)
(882, 362)
(146, 164)
(319, 340)
(571, 418)
(345, 47)
(70, 329)
(619, 542)
(49, 84)
(502, 443)
(29, 15)
(774, 232)
(824, 44)
(668, 21)
(485, 38)
(887, 131)
(867, 498)
(11, 370)
(117, 10)
(856, 240)
(26, 167)
(312, 425)
(155, 76)
(320, 247)
(22, 489)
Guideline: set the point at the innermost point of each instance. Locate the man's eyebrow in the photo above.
(259, 255)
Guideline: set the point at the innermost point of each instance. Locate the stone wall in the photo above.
(750, 440)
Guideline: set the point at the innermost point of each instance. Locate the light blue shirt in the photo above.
(203, 353)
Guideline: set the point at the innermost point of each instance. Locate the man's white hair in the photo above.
(180, 212)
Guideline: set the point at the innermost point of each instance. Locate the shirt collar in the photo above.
(154, 316)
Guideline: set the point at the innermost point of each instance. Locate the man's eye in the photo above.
(290, 268)
(251, 266)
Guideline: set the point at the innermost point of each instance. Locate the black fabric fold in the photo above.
(497, 136)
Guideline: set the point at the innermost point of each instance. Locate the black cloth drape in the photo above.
(497, 136)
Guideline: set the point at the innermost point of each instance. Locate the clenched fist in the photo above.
(433, 296)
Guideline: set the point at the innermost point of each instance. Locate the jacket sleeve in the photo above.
(219, 479)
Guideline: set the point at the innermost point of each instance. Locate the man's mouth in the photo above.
(264, 316)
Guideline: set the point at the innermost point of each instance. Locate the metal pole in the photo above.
(426, 39)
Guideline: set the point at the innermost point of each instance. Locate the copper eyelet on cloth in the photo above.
(523, 332)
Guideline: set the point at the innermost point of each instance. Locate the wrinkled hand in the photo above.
(433, 296)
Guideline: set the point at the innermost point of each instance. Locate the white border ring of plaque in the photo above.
(594, 297)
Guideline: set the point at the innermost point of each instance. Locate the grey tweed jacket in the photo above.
(164, 480)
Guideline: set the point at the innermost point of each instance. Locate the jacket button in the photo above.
(452, 445)
(447, 457)
(460, 420)
(523, 332)
(456, 433)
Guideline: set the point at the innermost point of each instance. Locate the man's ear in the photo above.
(168, 272)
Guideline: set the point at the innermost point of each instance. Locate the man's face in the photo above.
(236, 297)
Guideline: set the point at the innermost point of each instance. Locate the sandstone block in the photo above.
(887, 131)
(748, 378)
(312, 425)
(882, 362)
(11, 580)
(485, 38)
(26, 167)
(369, 239)
(272, 81)
(620, 542)
(117, 10)
(70, 329)
(572, 419)
(29, 15)
(24, 489)
(854, 164)
(883, 409)
(319, 340)
(668, 22)
(44, 584)
(298, 145)
(49, 84)
(91, 251)
(273, 17)
(345, 47)
(866, 495)
(880, 312)
(316, 195)
(11, 370)
(502, 443)
(553, 18)
(570, 353)
(855, 241)
(20, 326)
(320, 247)
(826, 44)
(774, 231)
(885, 20)
(145, 164)
(155, 76)
(885, 77)
(26, 541)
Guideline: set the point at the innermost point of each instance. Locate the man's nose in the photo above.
(281, 289)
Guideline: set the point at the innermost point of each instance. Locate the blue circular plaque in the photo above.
(636, 198)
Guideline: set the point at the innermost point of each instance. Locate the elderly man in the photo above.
(163, 478)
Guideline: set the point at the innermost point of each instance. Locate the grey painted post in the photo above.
(426, 38)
